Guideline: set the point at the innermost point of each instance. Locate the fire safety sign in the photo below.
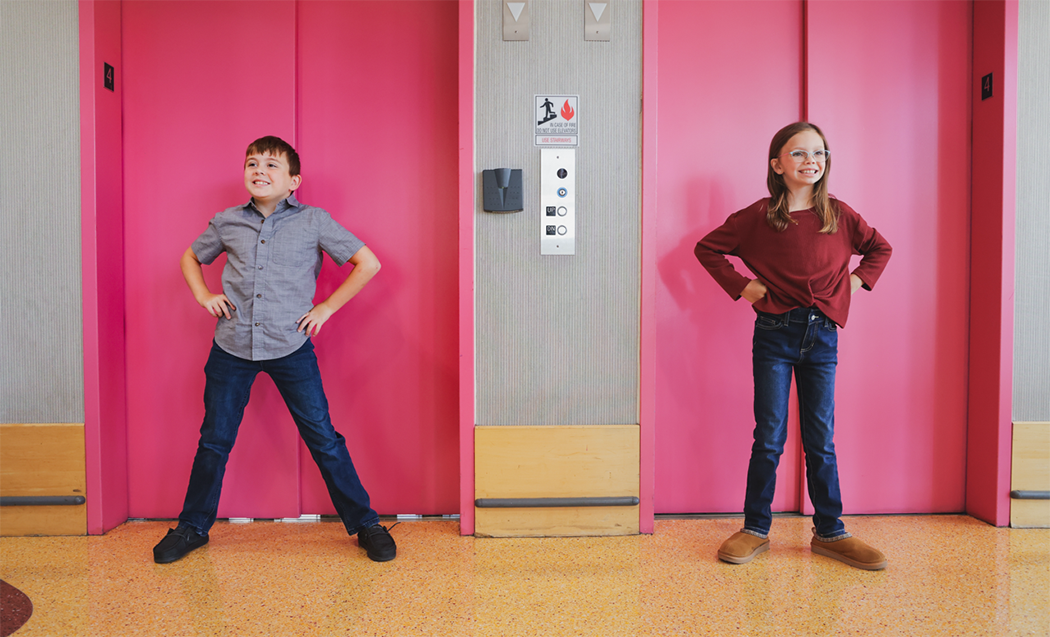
(557, 120)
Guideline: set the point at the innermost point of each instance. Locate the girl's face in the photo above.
(800, 174)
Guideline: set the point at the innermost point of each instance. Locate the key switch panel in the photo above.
(558, 201)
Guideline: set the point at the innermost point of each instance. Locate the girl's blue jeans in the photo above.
(298, 378)
(802, 342)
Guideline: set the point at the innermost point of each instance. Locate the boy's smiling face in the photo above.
(268, 179)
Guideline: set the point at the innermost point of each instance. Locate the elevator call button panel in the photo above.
(558, 201)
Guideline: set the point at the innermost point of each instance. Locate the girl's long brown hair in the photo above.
(777, 215)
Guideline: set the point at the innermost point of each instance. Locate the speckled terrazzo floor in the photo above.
(948, 575)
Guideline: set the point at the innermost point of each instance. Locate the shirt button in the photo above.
(260, 267)
(264, 240)
(257, 324)
(258, 296)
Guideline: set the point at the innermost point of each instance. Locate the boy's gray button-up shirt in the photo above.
(272, 264)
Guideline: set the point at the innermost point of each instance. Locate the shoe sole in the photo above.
(375, 558)
(867, 566)
(733, 559)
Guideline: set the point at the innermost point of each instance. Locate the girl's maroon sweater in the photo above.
(799, 266)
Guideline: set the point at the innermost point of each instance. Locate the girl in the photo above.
(798, 244)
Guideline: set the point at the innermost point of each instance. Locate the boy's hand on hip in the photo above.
(312, 321)
(755, 291)
(217, 304)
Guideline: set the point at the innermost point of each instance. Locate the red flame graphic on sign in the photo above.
(566, 111)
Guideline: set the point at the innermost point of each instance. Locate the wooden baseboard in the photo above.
(42, 460)
(560, 522)
(43, 520)
(1030, 471)
(556, 462)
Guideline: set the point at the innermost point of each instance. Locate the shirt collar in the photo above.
(290, 202)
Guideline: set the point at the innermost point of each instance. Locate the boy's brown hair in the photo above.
(275, 146)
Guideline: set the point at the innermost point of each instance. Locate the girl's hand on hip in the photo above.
(754, 292)
(854, 283)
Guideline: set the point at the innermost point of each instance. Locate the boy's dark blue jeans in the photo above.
(298, 378)
(802, 342)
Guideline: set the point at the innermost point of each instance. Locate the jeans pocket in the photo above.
(768, 322)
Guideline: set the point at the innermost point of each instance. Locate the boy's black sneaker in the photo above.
(377, 541)
(177, 543)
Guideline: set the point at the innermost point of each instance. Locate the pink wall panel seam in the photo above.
(1009, 180)
(804, 84)
(805, 505)
(991, 311)
(102, 269)
(466, 266)
(92, 442)
(650, 212)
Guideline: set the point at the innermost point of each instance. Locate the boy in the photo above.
(265, 318)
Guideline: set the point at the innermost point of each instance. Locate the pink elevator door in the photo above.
(890, 81)
(378, 124)
(369, 112)
(715, 122)
(889, 84)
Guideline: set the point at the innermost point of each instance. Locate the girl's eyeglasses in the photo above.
(819, 156)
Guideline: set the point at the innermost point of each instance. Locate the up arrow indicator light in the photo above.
(516, 7)
(597, 8)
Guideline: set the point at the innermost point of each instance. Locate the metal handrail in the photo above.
(1021, 494)
(517, 503)
(41, 500)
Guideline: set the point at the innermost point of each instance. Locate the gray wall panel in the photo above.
(1031, 399)
(41, 344)
(558, 337)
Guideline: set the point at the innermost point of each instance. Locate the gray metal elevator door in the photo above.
(41, 334)
(557, 337)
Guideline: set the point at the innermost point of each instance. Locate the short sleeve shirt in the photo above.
(272, 264)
